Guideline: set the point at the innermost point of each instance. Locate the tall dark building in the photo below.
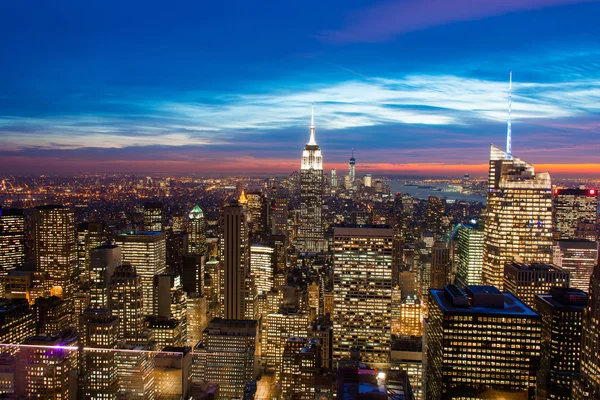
(574, 214)
(55, 249)
(127, 303)
(441, 265)
(519, 215)
(310, 230)
(588, 384)
(12, 242)
(235, 255)
(434, 214)
(154, 218)
(482, 344)
(257, 210)
(562, 313)
(89, 236)
(279, 216)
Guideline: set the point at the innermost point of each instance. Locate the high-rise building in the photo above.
(153, 217)
(146, 252)
(234, 261)
(89, 236)
(166, 332)
(257, 212)
(469, 255)
(362, 287)
(526, 280)
(310, 229)
(562, 314)
(261, 267)
(410, 316)
(99, 338)
(277, 327)
(192, 274)
(588, 384)
(172, 369)
(197, 319)
(578, 257)
(170, 300)
(279, 216)
(441, 265)
(47, 366)
(226, 356)
(12, 242)
(103, 261)
(481, 343)
(352, 168)
(434, 214)
(135, 372)
(53, 315)
(126, 303)
(334, 179)
(368, 180)
(196, 232)
(17, 321)
(407, 355)
(55, 249)
(519, 216)
(574, 214)
(300, 365)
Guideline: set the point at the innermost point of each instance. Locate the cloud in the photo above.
(391, 18)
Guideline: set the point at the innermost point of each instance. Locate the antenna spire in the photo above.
(312, 141)
(509, 128)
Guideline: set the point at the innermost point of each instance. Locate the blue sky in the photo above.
(414, 86)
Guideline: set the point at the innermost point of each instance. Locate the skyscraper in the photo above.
(126, 302)
(12, 242)
(146, 251)
(103, 261)
(153, 217)
(562, 312)
(257, 211)
(588, 384)
(262, 267)
(310, 229)
(469, 255)
(434, 214)
(196, 232)
(481, 344)
(352, 168)
(234, 260)
(578, 257)
(55, 249)
(89, 236)
(334, 179)
(279, 216)
(362, 287)
(525, 281)
(441, 265)
(574, 214)
(519, 215)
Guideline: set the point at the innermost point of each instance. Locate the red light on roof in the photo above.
(555, 191)
(592, 191)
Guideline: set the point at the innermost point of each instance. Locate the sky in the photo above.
(415, 87)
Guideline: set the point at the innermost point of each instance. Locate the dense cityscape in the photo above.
(310, 285)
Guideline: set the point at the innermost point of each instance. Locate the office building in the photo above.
(89, 236)
(146, 252)
(469, 256)
(277, 327)
(226, 356)
(587, 386)
(410, 316)
(321, 328)
(279, 216)
(17, 321)
(99, 365)
(407, 355)
(434, 214)
(172, 370)
(562, 316)
(300, 365)
(578, 257)
(367, 180)
(127, 303)
(153, 217)
(197, 319)
(441, 265)
(47, 368)
(235, 256)
(310, 230)
(257, 212)
(103, 261)
(55, 249)
(334, 179)
(362, 287)
(166, 332)
(574, 214)
(12, 242)
(352, 168)
(526, 281)
(135, 372)
(170, 301)
(481, 343)
(262, 267)
(196, 232)
(519, 216)
(53, 315)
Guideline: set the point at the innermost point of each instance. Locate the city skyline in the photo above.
(135, 89)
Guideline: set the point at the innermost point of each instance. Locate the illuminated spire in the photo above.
(509, 131)
(243, 199)
(312, 141)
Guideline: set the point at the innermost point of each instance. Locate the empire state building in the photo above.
(310, 231)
